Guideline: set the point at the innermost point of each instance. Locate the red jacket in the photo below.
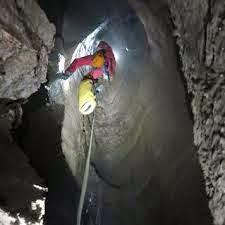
(110, 62)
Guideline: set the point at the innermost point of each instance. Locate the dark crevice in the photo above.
(40, 138)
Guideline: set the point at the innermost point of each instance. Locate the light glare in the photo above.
(61, 63)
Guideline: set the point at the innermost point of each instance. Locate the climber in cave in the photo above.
(103, 64)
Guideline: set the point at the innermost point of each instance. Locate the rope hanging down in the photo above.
(86, 175)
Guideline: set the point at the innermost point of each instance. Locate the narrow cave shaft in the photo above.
(144, 165)
(143, 131)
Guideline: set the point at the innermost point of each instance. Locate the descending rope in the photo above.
(86, 175)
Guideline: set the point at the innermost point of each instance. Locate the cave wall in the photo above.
(26, 38)
(200, 34)
(18, 178)
(40, 136)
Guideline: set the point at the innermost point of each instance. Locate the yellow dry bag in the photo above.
(87, 98)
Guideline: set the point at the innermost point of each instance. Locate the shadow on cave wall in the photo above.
(40, 138)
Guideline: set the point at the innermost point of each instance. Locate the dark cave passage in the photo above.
(40, 138)
(143, 134)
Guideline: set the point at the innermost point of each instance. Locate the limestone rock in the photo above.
(200, 26)
(26, 38)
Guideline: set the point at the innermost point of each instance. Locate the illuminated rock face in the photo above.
(37, 208)
(26, 38)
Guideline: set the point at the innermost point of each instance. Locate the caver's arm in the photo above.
(79, 62)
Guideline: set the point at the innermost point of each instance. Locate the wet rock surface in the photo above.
(200, 33)
(26, 37)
